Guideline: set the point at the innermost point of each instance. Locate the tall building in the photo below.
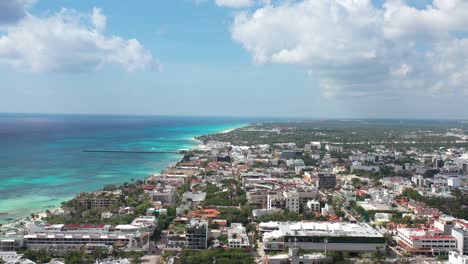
(326, 180)
(197, 234)
(348, 194)
(460, 232)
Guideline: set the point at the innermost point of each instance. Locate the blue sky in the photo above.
(208, 58)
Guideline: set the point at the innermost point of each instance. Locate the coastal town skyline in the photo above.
(402, 59)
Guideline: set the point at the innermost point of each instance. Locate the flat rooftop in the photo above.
(328, 229)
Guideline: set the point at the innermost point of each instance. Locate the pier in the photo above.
(133, 151)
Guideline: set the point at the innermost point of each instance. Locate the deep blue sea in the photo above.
(42, 162)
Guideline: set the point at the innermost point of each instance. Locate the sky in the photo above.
(272, 58)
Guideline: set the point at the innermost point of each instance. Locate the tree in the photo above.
(75, 257)
(378, 255)
(39, 256)
(100, 253)
(2, 261)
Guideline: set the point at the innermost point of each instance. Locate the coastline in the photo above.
(42, 213)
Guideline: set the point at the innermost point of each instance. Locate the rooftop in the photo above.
(319, 229)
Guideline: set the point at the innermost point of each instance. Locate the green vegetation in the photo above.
(235, 195)
(39, 256)
(219, 256)
(236, 215)
(164, 220)
(457, 206)
(399, 134)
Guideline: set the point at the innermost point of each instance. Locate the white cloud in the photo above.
(69, 41)
(435, 21)
(99, 20)
(234, 3)
(353, 47)
(12, 11)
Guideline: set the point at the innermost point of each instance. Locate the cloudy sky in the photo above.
(290, 58)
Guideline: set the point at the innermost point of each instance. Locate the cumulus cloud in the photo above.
(234, 3)
(353, 47)
(69, 41)
(12, 11)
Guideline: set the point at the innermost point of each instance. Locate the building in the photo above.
(10, 243)
(326, 180)
(195, 197)
(293, 257)
(10, 257)
(313, 206)
(286, 155)
(288, 201)
(445, 224)
(65, 241)
(456, 258)
(334, 148)
(258, 198)
(197, 234)
(348, 193)
(99, 199)
(460, 232)
(237, 236)
(418, 180)
(166, 196)
(453, 182)
(256, 213)
(425, 241)
(321, 236)
(65, 237)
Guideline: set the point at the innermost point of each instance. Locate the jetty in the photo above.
(133, 151)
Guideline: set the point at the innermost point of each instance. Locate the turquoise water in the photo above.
(42, 162)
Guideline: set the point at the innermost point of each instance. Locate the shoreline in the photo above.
(42, 213)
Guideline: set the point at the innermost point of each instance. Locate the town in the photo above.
(296, 192)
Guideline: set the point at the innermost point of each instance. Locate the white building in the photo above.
(460, 232)
(237, 236)
(11, 257)
(285, 200)
(425, 241)
(453, 182)
(333, 236)
(456, 258)
(293, 257)
(334, 148)
(313, 206)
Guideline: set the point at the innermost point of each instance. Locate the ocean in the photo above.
(42, 162)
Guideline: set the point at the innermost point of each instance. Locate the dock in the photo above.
(133, 151)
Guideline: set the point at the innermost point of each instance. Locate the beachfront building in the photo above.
(338, 236)
(10, 243)
(99, 199)
(66, 237)
(431, 241)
